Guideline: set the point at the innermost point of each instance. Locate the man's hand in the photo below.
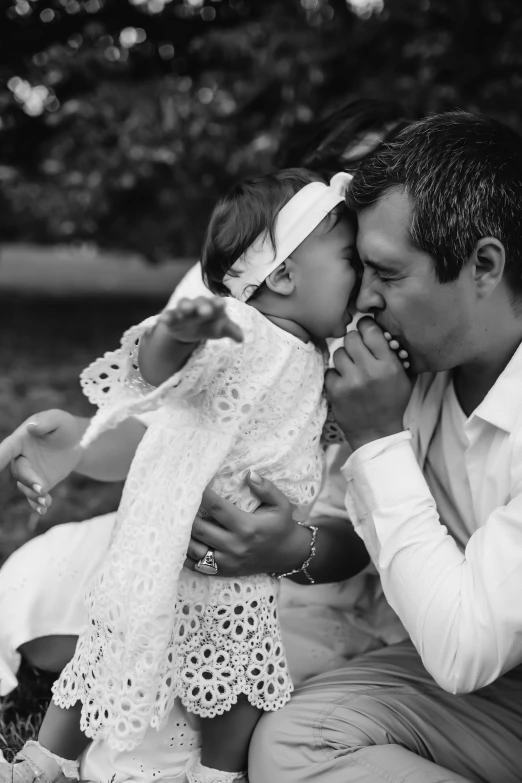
(369, 388)
(193, 320)
(42, 452)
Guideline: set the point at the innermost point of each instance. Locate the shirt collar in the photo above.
(502, 405)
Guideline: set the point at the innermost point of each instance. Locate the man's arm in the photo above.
(462, 610)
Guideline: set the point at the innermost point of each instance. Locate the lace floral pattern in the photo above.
(156, 631)
(229, 643)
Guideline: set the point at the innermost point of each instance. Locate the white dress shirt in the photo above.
(461, 604)
(446, 473)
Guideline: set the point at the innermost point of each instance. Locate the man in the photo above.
(435, 490)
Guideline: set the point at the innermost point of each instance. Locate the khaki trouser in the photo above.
(382, 718)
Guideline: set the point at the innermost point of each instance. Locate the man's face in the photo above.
(431, 320)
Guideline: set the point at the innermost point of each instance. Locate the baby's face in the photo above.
(326, 277)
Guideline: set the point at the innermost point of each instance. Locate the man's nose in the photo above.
(368, 299)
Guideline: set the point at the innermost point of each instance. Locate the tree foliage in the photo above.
(121, 121)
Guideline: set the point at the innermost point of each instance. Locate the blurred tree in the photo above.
(121, 121)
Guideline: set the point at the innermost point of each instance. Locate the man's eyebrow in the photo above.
(377, 266)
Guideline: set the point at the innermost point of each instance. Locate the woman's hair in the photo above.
(463, 174)
(246, 212)
(337, 141)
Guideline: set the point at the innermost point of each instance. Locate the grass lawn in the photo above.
(44, 343)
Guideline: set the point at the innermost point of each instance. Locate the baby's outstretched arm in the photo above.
(165, 349)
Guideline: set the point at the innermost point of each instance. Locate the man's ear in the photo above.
(487, 264)
(282, 280)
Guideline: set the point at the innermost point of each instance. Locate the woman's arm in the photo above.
(339, 552)
(270, 541)
(45, 449)
(109, 457)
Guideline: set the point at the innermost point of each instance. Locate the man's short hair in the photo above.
(463, 173)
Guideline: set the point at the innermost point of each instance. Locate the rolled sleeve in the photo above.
(384, 475)
(379, 473)
(461, 609)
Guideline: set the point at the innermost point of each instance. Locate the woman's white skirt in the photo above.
(42, 589)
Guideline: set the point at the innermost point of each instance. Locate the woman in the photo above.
(42, 585)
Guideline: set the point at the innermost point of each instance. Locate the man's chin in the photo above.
(419, 365)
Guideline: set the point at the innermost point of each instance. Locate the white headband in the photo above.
(294, 223)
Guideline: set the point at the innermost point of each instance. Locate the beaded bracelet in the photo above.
(304, 568)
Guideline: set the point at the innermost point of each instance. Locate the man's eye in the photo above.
(383, 277)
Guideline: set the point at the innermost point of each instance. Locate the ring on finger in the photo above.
(207, 564)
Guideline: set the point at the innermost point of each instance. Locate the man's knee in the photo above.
(314, 728)
(278, 745)
(314, 731)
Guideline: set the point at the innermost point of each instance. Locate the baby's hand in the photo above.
(401, 353)
(193, 320)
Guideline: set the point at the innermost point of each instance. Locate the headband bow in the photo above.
(294, 223)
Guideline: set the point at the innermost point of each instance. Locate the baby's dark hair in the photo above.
(247, 211)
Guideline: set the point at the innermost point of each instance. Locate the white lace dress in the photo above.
(156, 632)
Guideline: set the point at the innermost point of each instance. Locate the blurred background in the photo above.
(121, 121)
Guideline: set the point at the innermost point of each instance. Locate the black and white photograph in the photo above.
(261, 391)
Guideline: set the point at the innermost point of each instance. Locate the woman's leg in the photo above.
(42, 588)
(383, 718)
(49, 653)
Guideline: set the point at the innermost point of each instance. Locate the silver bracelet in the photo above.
(304, 568)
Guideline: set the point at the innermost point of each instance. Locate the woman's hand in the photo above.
(265, 541)
(42, 452)
(270, 541)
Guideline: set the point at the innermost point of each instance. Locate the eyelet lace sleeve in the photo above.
(114, 382)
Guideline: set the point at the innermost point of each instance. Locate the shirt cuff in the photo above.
(382, 474)
(371, 450)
